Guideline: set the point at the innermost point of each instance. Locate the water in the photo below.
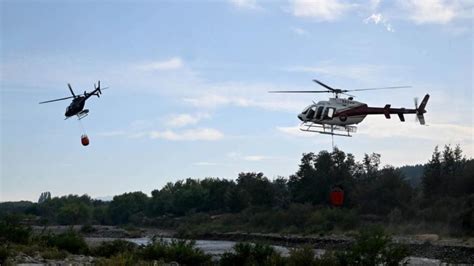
(218, 247)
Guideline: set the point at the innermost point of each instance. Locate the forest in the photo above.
(441, 201)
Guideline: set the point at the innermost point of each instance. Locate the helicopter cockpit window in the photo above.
(320, 111)
(329, 113)
(311, 112)
(305, 110)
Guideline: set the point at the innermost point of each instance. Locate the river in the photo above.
(218, 247)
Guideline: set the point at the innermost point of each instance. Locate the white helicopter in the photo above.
(338, 116)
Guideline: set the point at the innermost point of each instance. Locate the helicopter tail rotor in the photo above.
(97, 88)
(420, 110)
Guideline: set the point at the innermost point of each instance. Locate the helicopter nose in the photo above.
(300, 117)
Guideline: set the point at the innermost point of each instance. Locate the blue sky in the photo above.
(188, 87)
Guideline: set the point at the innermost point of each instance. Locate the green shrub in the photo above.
(53, 254)
(302, 256)
(4, 253)
(112, 248)
(122, 259)
(12, 231)
(181, 251)
(69, 241)
(373, 247)
(250, 254)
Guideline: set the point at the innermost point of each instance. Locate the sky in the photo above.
(188, 87)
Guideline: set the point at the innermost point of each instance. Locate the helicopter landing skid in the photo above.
(82, 114)
(344, 131)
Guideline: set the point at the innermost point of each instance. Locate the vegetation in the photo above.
(372, 247)
(69, 241)
(182, 251)
(439, 194)
(438, 197)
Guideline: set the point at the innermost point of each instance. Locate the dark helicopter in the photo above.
(77, 105)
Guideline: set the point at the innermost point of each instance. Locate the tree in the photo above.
(431, 179)
(124, 206)
(317, 174)
(44, 197)
(385, 192)
(74, 213)
(256, 189)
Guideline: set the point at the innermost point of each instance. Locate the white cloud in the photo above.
(299, 31)
(182, 120)
(374, 4)
(170, 64)
(255, 158)
(430, 11)
(251, 158)
(207, 134)
(217, 100)
(245, 4)
(204, 164)
(384, 128)
(378, 18)
(323, 10)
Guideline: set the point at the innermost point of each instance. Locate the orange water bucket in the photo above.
(84, 140)
(337, 197)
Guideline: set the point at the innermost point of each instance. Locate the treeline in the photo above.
(445, 195)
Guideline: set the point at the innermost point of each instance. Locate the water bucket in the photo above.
(84, 140)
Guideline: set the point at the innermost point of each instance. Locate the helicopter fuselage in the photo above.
(328, 112)
(76, 106)
(344, 112)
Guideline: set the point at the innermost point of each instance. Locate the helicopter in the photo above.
(338, 116)
(77, 105)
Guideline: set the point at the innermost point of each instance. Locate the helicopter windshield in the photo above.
(306, 109)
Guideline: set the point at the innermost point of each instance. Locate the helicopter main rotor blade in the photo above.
(70, 88)
(60, 99)
(381, 88)
(299, 91)
(325, 86)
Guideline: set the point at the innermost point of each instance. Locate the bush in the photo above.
(373, 247)
(181, 251)
(250, 254)
(112, 248)
(122, 259)
(302, 256)
(12, 231)
(69, 241)
(53, 254)
(4, 253)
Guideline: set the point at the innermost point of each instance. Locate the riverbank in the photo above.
(431, 246)
(425, 246)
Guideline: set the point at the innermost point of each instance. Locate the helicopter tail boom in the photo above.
(387, 110)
